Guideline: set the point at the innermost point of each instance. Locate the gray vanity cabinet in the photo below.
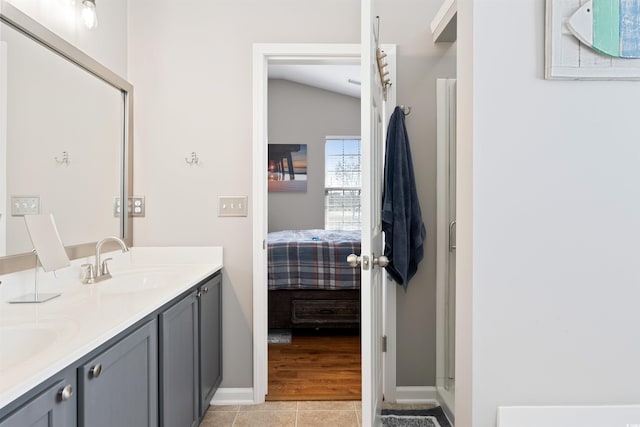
(179, 402)
(210, 340)
(55, 407)
(119, 387)
(163, 373)
(190, 355)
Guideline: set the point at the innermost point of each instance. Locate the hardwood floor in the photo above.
(315, 366)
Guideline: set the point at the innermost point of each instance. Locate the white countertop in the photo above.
(52, 335)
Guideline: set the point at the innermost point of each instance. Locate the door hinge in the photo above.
(264, 244)
(384, 343)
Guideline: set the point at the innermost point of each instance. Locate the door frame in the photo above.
(3, 149)
(446, 135)
(295, 53)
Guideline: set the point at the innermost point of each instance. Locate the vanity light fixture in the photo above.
(89, 16)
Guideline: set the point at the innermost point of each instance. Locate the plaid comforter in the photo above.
(312, 259)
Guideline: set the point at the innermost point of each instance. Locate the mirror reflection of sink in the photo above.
(137, 281)
(19, 343)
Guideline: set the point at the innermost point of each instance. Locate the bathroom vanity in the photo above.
(143, 348)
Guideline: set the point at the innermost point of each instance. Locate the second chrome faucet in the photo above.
(100, 271)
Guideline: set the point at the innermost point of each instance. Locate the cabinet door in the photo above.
(179, 364)
(210, 340)
(55, 407)
(120, 386)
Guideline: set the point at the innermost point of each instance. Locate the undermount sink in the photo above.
(22, 342)
(137, 280)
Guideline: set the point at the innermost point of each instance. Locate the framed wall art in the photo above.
(287, 167)
(592, 39)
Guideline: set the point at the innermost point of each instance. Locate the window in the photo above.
(342, 184)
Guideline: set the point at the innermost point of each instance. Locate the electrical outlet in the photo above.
(135, 206)
(232, 205)
(25, 205)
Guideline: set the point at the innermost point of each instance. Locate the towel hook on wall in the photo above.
(64, 160)
(194, 159)
(405, 109)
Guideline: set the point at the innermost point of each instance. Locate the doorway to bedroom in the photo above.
(314, 172)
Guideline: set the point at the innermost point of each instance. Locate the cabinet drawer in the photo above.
(325, 311)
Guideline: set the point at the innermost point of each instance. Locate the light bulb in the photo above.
(89, 14)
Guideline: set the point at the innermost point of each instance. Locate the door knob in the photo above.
(354, 260)
(381, 261)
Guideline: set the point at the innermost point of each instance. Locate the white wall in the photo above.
(555, 223)
(191, 67)
(300, 114)
(107, 43)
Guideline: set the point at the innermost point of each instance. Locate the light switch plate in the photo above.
(232, 205)
(25, 205)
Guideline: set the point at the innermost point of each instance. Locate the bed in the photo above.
(309, 281)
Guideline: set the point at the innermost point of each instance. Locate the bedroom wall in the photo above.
(551, 179)
(191, 68)
(300, 114)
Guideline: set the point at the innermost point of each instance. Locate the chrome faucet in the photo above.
(102, 269)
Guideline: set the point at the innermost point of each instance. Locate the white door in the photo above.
(372, 117)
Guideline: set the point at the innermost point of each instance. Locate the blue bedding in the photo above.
(312, 259)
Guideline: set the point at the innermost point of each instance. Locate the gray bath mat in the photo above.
(414, 418)
(279, 336)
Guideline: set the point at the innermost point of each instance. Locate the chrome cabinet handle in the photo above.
(96, 370)
(65, 393)
(452, 246)
(205, 289)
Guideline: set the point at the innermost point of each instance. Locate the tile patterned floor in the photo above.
(286, 414)
(294, 414)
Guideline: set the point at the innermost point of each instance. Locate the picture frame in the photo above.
(287, 168)
(567, 58)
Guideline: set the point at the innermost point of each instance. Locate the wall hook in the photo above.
(64, 160)
(194, 159)
(405, 109)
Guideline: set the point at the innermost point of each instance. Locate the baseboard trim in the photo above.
(233, 396)
(404, 394)
(416, 394)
